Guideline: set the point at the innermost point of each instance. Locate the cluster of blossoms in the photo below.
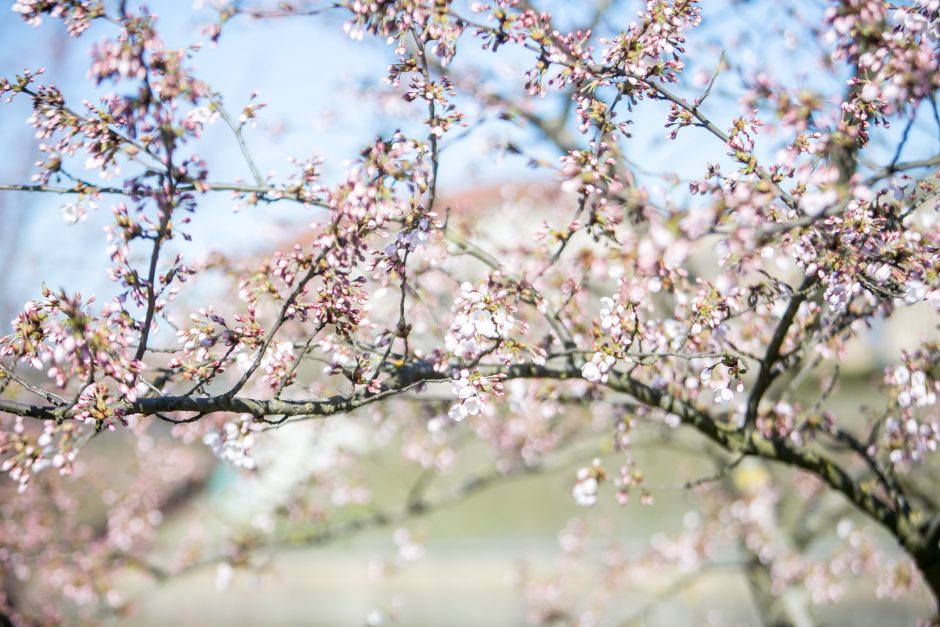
(483, 321)
(77, 14)
(918, 291)
(198, 339)
(232, 443)
(620, 322)
(915, 390)
(109, 130)
(118, 59)
(883, 260)
(277, 275)
(305, 181)
(446, 114)
(97, 406)
(25, 454)
(137, 286)
(596, 370)
(389, 18)
(278, 363)
(630, 479)
(724, 379)
(408, 240)
(909, 440)
(344, 361)
(897, 579)
(473, 389)
(709, 308)
(197, 360)
(62, 335)
(588, 481)
(339, 303)
(740, 144)
(368, 198)
(75, 212)
(651, 46)
(588, 172)
(198, 118)
(840, 291)
(444, 31)
(410, 547)
(914, 431)
(783, 420)
(897, 64)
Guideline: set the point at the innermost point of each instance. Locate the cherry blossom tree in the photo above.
(710, 307)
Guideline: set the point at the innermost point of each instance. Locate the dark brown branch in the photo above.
(766, 373)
